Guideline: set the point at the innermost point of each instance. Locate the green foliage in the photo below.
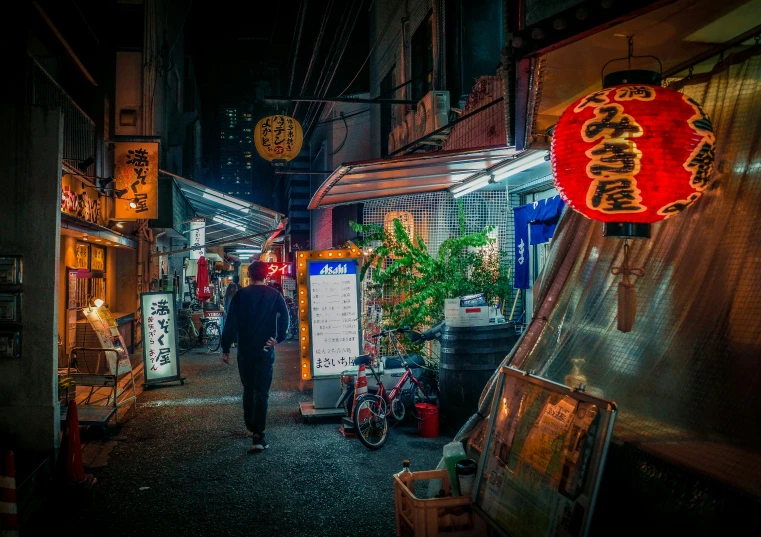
(413, 284)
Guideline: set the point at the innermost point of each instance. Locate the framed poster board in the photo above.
(97, 258)
(160, 357)
(542, 458)
(334, 320)
(107, 331)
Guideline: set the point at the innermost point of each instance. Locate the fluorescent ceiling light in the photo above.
(224, 200)
(500, 174)
(229, 223)
(248, 251)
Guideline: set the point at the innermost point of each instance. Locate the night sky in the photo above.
(244, 51)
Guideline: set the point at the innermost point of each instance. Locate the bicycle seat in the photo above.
(365, 359)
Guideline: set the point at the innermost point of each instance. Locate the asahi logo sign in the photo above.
(327, 270)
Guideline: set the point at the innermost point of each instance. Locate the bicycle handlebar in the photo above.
(398, 330)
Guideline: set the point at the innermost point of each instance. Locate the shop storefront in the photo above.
(97, 263)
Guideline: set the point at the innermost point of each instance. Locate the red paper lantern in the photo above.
(633, 153)
(203, 292)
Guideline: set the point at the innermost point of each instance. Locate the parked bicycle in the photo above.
(372, 411)
(189, 337)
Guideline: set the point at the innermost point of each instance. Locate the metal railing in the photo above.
(79, 139)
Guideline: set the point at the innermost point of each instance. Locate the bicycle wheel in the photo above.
(423, 393)
(213, 338)
(183, 340)
(370, 421)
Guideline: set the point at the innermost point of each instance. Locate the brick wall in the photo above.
(322, 229)
(487, 128)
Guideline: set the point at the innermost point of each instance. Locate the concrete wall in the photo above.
(30, 219)
(393, 52)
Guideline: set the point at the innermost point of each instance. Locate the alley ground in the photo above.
(180, 466)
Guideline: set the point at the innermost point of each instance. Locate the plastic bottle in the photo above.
(453, 453)
(405, 476)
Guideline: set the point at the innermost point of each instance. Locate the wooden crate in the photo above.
(434, 517)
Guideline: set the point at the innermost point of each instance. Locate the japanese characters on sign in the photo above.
(197, 238)
(278, 270)
(334, 314)
(82, 252)
(77, 201)
(278, 138)
(159, 337)
(615, 159)
(136, 167)
(632, 153)
(98, 256)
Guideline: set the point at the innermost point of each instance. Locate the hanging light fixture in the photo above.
(629, 155)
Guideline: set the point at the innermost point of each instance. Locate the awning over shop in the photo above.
(229, 220)
(92, 230)
(407, 175)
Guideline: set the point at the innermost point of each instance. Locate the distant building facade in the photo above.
(235, 151)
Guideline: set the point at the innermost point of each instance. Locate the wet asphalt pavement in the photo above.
(181, 467)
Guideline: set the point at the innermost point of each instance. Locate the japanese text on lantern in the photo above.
(136, 169)
(278, 137)
(334, 316)
(700, 161)
(160, 354)
(615, 160)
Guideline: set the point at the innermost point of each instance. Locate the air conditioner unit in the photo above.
(402, 136)
(410, 120)
(432, 112)
(392, 140)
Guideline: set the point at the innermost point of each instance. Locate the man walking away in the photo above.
(259, 318)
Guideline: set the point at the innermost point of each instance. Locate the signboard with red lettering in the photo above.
(160, 357)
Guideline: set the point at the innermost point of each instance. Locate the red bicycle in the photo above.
(372, 410)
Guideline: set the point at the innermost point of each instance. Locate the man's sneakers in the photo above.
(259, 444)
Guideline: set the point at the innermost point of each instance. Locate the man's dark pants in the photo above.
(256, 375)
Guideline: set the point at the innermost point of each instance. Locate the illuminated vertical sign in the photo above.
(136, 172)
(160, 357)
(334, 315)
(197, 238)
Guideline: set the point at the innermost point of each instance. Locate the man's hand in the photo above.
(226, 357)
(271, 342)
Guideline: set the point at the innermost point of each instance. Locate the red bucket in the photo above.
(428, 424)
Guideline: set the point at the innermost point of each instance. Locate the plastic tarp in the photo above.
(687, 378)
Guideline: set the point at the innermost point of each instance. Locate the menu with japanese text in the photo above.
(334, 315)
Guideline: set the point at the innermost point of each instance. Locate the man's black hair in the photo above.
(257, 271)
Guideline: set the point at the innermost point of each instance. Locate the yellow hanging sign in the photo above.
(278, 138)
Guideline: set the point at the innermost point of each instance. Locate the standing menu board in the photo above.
(542, 458)
(334, 315)
(160, 358)
(107, 330)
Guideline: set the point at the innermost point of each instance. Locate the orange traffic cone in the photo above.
(8, 506)
(360, 388)
(75, 473)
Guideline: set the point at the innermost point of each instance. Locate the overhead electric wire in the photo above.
(328, 61)
(300, 24)
(347, 116)
(377, 40)
(337, 62)
(315, 52)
